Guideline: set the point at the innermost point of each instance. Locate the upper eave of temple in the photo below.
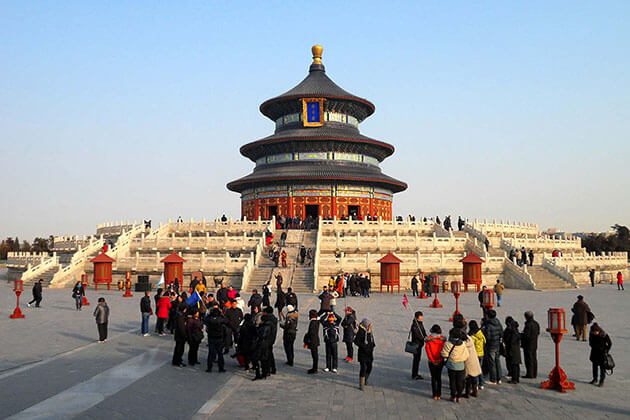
(306, 139)
(317, 85)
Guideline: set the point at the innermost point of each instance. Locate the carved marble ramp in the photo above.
(86, 395)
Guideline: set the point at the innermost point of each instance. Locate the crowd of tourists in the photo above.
(522, 256)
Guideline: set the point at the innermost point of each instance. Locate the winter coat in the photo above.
(493, 330)
(265, 298)
(290, 325)
(215, 327)
(325, 299)
(273, 323)
(480, 341)
(246, 338)
(180, 326)
(418, 333)
(512, 342)
(458, 355)
(233, 316)
(280, 300)
(145, 305)
(291, 299)
(163, 307)
(529, 336)
(311, 338)
(255, 300)
(600, 345)
(433, 347)
(472, 366)
(331, 329)
(365, 342)
(37, 290)
(349, 325)
(498, 289)
(101, 313)
(194, 330)
(78, 290)
(580, 308)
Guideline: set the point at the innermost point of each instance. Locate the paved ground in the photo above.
(51, 367)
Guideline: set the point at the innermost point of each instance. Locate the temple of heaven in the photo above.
(317, 163)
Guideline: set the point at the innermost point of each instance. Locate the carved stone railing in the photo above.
(73, 271)
(584, 261)
(542, 244)
(32, 273)
(198, 243)
(217, 226)
(515, 277)
(494, 228)
(377, 243)
(563, 272)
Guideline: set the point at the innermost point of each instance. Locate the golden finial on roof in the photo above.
(317, 51)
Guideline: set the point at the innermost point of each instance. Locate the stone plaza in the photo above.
(52, 366)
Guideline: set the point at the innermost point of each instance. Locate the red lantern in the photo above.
(436, 289)
(128, 285)
(558, 379)
(456, 288)
(18, 288)
(488, 299)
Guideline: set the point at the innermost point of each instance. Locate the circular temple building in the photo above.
(317, 163)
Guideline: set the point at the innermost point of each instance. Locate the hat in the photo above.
(290, 308)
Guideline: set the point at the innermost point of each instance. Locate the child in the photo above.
(433, 347)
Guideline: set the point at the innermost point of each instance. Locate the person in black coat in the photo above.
(289, 326)
(493, 331)
(414, 286)
(266, 294)
(194, 334)
(600, 344)
(246, 339)
(291, 298)
(330, 325)
(417, 335)
(180, 334)
(255, 301)
(512, 342)
(529, 342)
(349, 325)
(281, 301)
(311, 338)
(234, 317)
(365, 343)
(37, 293)
(215, 327)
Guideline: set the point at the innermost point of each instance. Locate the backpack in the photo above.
(331, 334)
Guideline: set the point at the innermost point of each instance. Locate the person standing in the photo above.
(311, 339)
(330, 326)
(493, 331)
(349, 325)
(512, 341)
(77, 293)
(417, 335)
(580, 310)
(364, 340)
(591, 276)
(289, 326)
(101, 314)
(283, 258)
(37, 294)
(194, 334)
(146, 312)
(216, 338)
(600, 344)
(179, 334)
(531, 257)
(498, 291)
(255, 301)
(283, 239)
(266, 302)
(619, 281)
(281, 301)
(455, 354)
(529, 342)
(472, 368)
(234, 317)
(414, 286)
(291, 298)
(162, 309)
(434, 344)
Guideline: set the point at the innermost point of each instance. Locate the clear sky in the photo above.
(132, 110)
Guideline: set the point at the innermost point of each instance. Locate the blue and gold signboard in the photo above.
(313, 112)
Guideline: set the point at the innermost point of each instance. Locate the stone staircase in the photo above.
(546, 280)
(300, 278)
(46, 275)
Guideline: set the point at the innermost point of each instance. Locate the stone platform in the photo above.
(52, 367)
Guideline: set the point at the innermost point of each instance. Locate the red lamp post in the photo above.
(436, 289)
(557, 377)
(128, 285)
(18, 288)
(422, 281)
(456, 288)
(84, 283)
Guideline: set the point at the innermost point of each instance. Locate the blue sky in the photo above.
(131, 110)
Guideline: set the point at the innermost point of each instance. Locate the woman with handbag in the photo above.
(455, 354)
(434, 344)
(364, 340)
(415, 342)
(600, 344)
(77, 293)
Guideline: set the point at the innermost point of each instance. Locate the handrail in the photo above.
(563, 272)
(33, 272)
(523, 277)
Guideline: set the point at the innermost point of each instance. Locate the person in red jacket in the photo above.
(619, 281)
(433, 346)
(162, 309)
